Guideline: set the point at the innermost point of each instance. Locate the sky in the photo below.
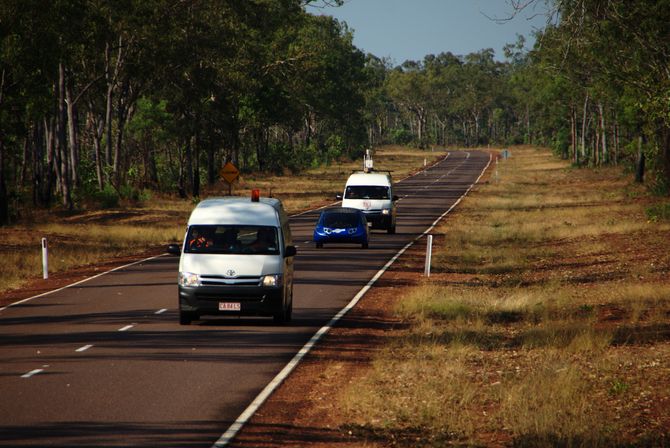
(411, 29)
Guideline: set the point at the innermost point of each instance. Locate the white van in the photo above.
(372, 193)
(236, 259)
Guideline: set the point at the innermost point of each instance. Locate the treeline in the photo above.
(108, 98)
(595, 88)
(101, 100)
(597, 84)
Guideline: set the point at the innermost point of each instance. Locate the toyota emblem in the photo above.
(231, 273)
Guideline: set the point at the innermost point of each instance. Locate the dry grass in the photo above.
(92, 236)
(546, 322)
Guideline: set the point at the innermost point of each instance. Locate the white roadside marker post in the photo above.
(429, 255)
(45, 259)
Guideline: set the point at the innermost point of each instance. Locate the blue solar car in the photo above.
(342, 225)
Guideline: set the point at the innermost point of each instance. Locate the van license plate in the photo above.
(229, 306)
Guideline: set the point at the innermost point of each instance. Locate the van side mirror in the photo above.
(174, 249)
(395, 197)
(338, 197)
(290, 251)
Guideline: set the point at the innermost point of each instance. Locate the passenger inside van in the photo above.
(200, 239)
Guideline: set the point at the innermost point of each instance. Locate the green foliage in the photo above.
(187, 86)
(134, 194)
(335, 148)
(107, 198)
(302, 157)
(401, 136)
(561, 143)
(658, 212)
(618, 387)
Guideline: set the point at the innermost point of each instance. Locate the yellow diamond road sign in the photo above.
(229, 172)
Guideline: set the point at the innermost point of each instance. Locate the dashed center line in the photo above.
(84, 348)
(31, 373)
(126, 328)
(34, 372)
(161, 311)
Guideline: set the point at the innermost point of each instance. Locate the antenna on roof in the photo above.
(368, 164)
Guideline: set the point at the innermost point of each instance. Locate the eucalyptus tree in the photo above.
(410, 90)
(443, 82)
(616, 53)
(378, 105)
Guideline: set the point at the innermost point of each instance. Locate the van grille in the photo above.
(220, 280)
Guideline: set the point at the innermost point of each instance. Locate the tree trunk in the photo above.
(573, 135)
(529, 140)
(616, 140)
(584, 118)
(4, 197)
(664, 141)
(97, 126)
(149, 159)
(189, 163)
(196, 162)
(37, 164)
(62, 147)
(639, 171)
(211, 163)
(73, 139)
(52, 165)
(123, 110)
(111, 80)
(25, 159)
(604, 158)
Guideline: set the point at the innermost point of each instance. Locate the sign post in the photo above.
(45, 259)
(429, 255)
(229, 173)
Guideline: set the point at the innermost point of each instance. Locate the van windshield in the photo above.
(367, 192)
(223, 239)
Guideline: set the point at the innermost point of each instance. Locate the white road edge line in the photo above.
(82, 281)
(232, 431)
(84, 348)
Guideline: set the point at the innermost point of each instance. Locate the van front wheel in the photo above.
(185, 318)
(391, 230)
(285, 314)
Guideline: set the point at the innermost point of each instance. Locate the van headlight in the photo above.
(189, 279)
(386, 211)
(271, 280)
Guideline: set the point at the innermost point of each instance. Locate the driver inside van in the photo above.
(199, 240)
(265, 240)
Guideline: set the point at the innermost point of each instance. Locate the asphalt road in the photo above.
(105, 362)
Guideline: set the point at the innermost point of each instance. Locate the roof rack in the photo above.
(371, 170)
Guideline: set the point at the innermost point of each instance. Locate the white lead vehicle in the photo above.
(236, 259)
(372, 193)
